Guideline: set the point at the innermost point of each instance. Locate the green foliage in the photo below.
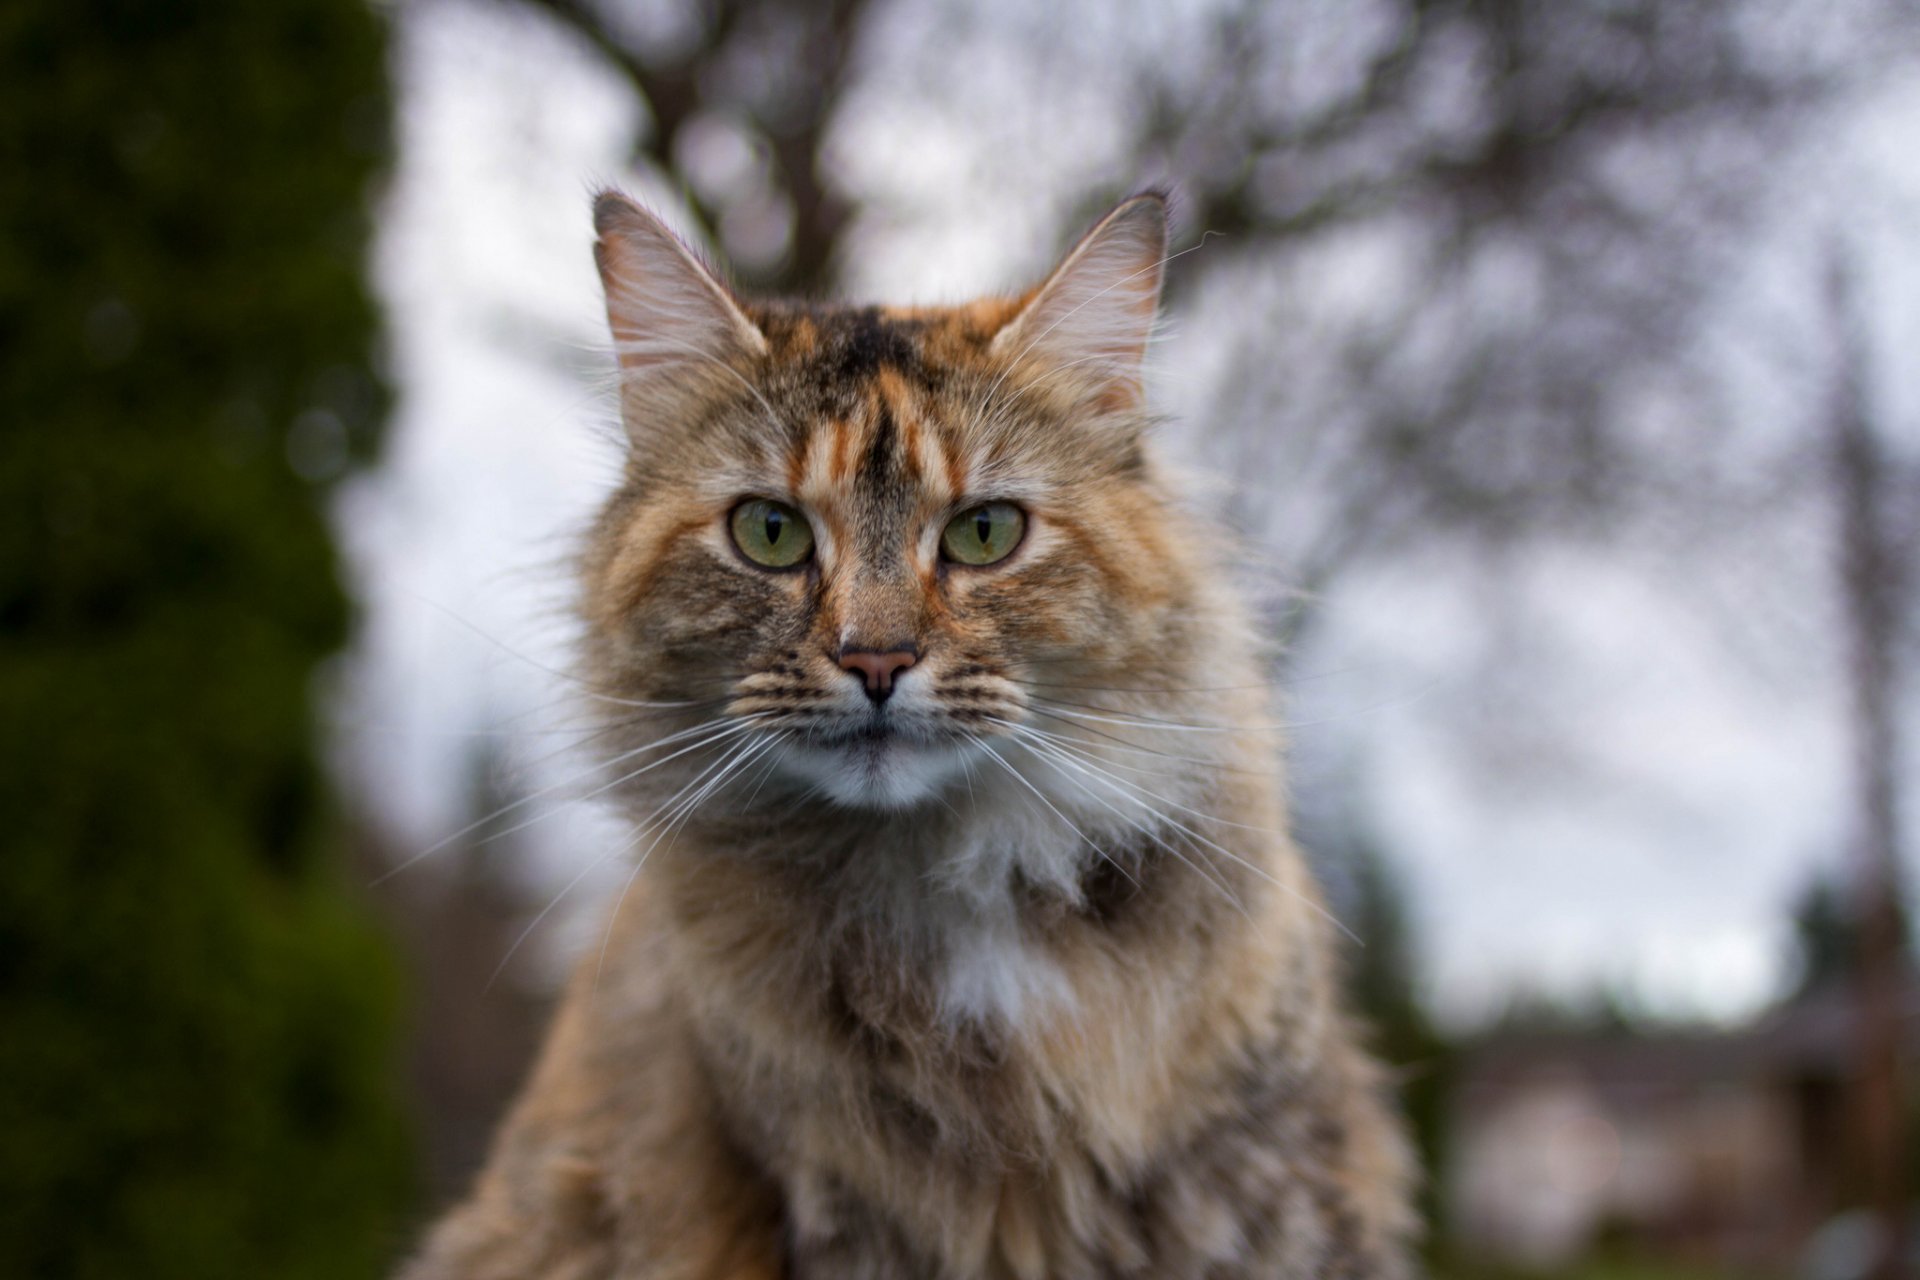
(1826, 935)
(1826, 928)
(195, 1023)
(1590, 1270)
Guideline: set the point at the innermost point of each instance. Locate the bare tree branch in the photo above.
(812, 46)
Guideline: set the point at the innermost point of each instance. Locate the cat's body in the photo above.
(969, 941)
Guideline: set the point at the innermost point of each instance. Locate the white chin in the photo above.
(889, 774)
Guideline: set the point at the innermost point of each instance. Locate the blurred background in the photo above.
(1559, 361)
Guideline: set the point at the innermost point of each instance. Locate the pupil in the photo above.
(774, 527)
(983, 528)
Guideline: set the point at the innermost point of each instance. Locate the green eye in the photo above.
(770, 533)
(983, 534)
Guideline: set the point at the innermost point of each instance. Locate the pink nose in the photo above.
(877, 668)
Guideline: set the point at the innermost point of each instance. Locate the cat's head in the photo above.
(868, 541)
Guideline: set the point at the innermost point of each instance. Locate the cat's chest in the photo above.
(1234, 1210)
(999, 974)
(1245, 1184)
(953, 1058)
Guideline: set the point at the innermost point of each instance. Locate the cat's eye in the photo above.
(771, 533)
(984, 534)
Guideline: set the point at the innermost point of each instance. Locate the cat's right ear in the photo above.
(666, 309)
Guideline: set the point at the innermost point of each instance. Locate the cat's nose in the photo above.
(878, 668)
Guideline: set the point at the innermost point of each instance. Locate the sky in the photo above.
(1588, 764)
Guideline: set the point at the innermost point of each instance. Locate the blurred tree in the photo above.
(726, 77)
(1562, 187)
(1873, 580)
(1558, 184)
(1826, 933)
(195, 1074)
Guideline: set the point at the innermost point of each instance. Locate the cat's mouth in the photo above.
(866, 733)
(880, 761)
(883, 730)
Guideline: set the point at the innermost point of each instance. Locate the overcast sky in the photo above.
(1630, 795)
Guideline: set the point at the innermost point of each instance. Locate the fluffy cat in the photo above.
(966, 939)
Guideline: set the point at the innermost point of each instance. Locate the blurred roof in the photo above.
(1813, 1035)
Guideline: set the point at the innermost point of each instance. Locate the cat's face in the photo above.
(868, 538)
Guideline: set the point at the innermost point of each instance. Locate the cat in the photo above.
(964, 937)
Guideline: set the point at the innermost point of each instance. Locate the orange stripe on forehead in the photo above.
(797, 463)
(910, 440)
(896, 398)
(842, 472)
(956, 466)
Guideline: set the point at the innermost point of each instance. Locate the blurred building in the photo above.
(1724, 1148)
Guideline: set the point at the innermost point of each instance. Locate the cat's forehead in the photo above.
(875, 399)
(837, 350)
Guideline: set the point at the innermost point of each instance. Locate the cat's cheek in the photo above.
(1046, 606)
(704, 611)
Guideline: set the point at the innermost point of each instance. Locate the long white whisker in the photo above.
(1147, 830)
(732, 730)
(735, 754)
(1120, 784)
(585, 688)
(1134, 747)
(1150, 723)
(767, 771)
(719, 730)
(544, 912)
(1041, 796)
(1062, 742)
(1065, 740)
(588, 869)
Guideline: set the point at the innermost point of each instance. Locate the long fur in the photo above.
(1019, 976)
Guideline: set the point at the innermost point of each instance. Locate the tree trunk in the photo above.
(1870, 591)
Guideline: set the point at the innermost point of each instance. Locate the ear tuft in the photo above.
(666, 309)
(1095, 311)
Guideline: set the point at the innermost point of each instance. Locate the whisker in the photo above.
(732, 730)
(1318, 907)
(1067, 744)
(734, 755)
(555, 672)
(1066, 740)
(1170, 690)
(1041, 796)
(1384, 704)
(370, 726)
(767, 771)
(719, 731)
(1145, 829)
(544, 913)
(1128, 745)
(1154, 722)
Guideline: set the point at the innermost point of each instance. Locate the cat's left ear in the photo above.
(1095, 312)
